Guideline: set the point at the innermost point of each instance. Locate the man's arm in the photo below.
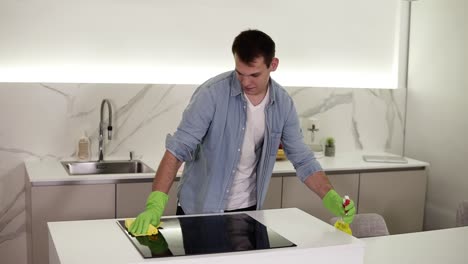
(157, 199)
(166, 173)
(319, 183)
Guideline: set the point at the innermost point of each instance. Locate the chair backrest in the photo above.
(462, 214)
(367, 225)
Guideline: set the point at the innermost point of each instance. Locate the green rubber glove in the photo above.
(154, 209)
(157, 244)
(334, 203)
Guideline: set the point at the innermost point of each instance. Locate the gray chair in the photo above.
(462, 214)
(367, 225)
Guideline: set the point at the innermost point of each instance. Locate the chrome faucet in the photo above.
(101, 127)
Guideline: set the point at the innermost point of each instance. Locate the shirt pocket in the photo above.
(274, 143)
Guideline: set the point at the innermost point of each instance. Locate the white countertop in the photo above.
(51, 172)
(430, 247)
(102, 241)
(343, 162)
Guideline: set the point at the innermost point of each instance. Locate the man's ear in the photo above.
(274, 64)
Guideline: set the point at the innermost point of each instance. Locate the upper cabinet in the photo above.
(319, 43)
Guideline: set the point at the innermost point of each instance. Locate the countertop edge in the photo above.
(51, 172)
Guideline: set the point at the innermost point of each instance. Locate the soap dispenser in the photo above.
(84, 149)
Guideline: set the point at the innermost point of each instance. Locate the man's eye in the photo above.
(255, 75)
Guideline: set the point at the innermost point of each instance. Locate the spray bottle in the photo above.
(340, 224)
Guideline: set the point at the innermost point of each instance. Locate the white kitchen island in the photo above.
(444, 246)
(103, 241)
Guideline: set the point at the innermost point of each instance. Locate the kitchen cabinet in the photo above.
(62, 203)
(297, 194)
(131, 199)
(399, 196)
(274, 194)
(392, 190)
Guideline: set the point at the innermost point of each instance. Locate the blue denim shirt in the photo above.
(210, 136)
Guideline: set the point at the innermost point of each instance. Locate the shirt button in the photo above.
(243, 128)
(233, 171)
(227, 191)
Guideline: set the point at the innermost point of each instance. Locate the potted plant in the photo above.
(330, 147)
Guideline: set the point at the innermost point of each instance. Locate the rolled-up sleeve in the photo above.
(298, 153)
(195, 122)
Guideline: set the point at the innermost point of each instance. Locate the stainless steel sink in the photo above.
(106, 167)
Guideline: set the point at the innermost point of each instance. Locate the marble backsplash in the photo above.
(45, 121)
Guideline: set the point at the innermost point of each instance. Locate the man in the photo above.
(228, 138)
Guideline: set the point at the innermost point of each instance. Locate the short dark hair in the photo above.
(251, 44)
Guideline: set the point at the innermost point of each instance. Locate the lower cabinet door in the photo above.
(273, 197)
(399, 196)
(131, 199)
(65, 203)
(297, 194)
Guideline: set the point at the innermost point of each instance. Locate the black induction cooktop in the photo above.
(193, 235)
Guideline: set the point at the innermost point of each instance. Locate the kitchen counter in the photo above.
(350, 162)
(102, 241)
(51, 172)
(428, 247)
(53, 195)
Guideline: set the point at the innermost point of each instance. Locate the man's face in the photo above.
(254, 76)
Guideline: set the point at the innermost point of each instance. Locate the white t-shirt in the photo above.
(243, 192)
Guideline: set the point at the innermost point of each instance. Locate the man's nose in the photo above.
(245, 80)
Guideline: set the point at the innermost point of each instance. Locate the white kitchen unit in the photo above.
(60, 203)
(103, 241)
(274, 194)
(428, 247)
(124, 195)
(53, 195)
(399, 196)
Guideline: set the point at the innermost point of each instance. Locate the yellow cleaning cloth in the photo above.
(341, 225)
(152, 230)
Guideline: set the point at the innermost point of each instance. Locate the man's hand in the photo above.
(334, 203)
(154, 209)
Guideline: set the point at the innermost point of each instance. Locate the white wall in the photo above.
(186, 42)
(437, 114)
